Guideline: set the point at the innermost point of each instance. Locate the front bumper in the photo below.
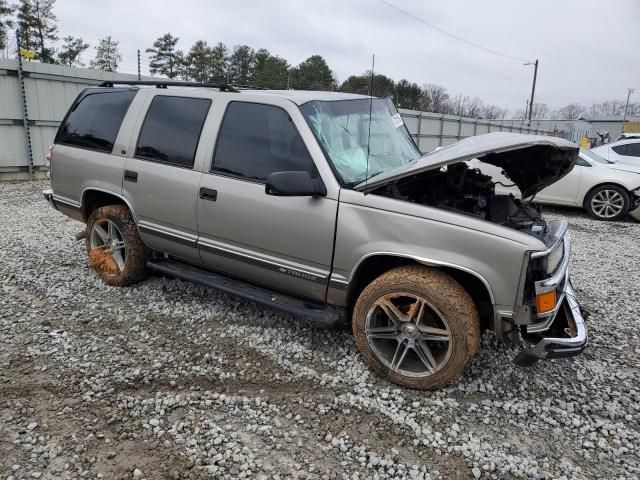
(565, 337)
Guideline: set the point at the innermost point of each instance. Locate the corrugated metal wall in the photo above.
(433, 130)
(49, 89)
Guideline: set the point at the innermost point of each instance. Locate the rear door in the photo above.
(84, 144)
(283, 242)
(159, 177)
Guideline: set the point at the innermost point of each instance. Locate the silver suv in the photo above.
(320, 205)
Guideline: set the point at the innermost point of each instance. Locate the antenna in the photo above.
(366, 177)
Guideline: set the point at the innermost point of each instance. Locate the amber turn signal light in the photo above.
(546, 302)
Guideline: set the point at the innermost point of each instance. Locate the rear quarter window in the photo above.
(620, 149)
(633, 149)
(95, 119)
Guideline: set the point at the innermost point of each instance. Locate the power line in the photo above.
(460, 39)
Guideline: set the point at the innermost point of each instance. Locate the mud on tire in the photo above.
(427, 306)
(129, 267)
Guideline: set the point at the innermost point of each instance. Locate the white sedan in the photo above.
(624, 150)
(608, 190)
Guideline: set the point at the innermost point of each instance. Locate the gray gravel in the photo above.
(172, 380)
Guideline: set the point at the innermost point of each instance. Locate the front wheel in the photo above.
(416, 326)
(607, 202)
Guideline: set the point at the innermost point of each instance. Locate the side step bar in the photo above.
(317, 312)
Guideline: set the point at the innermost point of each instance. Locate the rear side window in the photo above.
(620, 149)
(171, 130)
(95, 118)
(256, 140)
(633, 149)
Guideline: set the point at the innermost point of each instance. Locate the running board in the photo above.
(317, 312)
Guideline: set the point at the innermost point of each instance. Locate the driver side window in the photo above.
(256, 140)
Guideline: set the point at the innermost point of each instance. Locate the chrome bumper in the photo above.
(567, 334)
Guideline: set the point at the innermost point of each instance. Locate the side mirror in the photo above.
(294, 184)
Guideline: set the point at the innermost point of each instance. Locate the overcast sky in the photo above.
(588, 49)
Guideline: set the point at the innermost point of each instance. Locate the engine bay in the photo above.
(462, 189)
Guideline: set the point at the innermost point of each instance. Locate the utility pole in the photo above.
(139, 64)
(533, 88)
(626, 107)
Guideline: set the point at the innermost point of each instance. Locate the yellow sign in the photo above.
(584, 143)
(24, 53)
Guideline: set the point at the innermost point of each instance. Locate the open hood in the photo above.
(531, 162)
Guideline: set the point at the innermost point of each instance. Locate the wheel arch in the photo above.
(93, 198)
(375, 264)
(603, 184)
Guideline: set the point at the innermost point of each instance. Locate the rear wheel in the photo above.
(114, 247)
(416, 326)
(607, 202)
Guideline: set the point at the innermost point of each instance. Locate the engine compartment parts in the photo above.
(462, 189)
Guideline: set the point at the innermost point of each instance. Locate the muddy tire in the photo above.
(114, 247)
(607, 202)
(417, 327)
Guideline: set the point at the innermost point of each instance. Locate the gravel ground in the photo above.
(171, 380)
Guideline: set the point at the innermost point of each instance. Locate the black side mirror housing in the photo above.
(294, 184)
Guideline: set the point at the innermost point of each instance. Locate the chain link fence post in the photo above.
(25, 114)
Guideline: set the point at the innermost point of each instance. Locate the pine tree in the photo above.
(71, 51)
(163, 56)
(270, 71)
(36, 22)
(5, 22)
(199, 61)
(183, 71)
(219, 63)
(241, 65)
(108, 55)
(313, 74)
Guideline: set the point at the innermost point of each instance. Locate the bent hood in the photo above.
(531, 162)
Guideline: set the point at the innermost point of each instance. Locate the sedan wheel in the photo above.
(608, 202)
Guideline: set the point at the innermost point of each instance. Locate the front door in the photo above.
(282, 242)
(565, 190)
(159, 179)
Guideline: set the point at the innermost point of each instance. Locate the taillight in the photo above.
(49, 158)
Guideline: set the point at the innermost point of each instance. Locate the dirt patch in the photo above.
(102, 261)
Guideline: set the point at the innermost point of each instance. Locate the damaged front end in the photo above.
(546, 317)
(549, 319)
(443, 179)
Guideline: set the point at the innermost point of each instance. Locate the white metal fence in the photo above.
(49, 90)
(433, 130)
(45, 94)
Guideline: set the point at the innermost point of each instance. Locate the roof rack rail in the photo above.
(223, 87)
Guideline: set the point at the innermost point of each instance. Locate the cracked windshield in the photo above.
(342, 128)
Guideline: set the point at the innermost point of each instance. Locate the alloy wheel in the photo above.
(106, 235)
(408, 334)
(607, 203)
